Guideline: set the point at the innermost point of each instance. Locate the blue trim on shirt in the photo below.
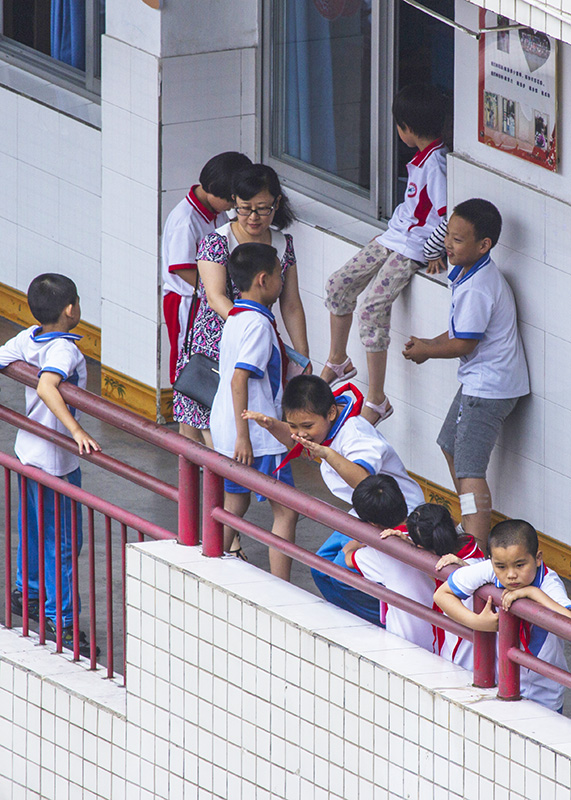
(458, 592)
(255, 372)
(274, 368)
(55, 370)
(482, 262)
(251, 305)
(338, 424)
(467, 335)
(365, 465)
(47, 337)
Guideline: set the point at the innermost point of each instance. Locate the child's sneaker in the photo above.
(17, 605)
(67, 638)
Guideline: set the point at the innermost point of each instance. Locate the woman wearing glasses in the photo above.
(262, 212)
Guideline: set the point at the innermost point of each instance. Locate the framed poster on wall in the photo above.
(517, 97)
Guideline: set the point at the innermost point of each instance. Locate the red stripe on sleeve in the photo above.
(176, 267)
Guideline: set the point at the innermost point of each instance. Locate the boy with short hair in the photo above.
(379, 501)
(200, 212)
(252, 370)
(516, 566)
(483, 333)
(385, 265)
(329, 427)
(52, 349)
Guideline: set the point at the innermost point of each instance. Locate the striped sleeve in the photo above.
(434, 245)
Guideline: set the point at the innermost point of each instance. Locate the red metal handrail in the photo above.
(216, 466)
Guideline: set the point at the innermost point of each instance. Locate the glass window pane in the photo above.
(323, 86)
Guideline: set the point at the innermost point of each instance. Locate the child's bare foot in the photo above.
(335, 373)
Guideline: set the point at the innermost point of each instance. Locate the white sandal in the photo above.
(384, 410)
(339, 370)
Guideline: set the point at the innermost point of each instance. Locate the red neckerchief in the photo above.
(469, 550)
(298, 448)
(284, 359)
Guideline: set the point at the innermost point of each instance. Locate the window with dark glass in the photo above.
(331, 69)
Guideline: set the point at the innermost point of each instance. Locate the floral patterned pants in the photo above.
(384, 274)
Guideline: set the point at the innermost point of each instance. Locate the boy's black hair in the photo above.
(514, 531)
(421, 108)
(248, 260)
(308, 393)
(217, 174)
(379, 499)
(430, 526)
(483, 216)
(251, 180)
(49, 294)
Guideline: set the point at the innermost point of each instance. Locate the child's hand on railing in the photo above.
(84, 441)
(487, 620)
(393, 532)
(448, 559)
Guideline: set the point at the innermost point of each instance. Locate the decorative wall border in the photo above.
(134, 395)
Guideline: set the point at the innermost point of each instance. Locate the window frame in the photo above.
(376, 203)
(87, 84)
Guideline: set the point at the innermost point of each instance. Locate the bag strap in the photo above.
(189, 328)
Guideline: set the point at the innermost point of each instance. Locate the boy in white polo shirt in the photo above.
(252, 375)
(483, 333)
(52, 349)
(200, 212)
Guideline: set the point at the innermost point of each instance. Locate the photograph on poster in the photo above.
(518, 91)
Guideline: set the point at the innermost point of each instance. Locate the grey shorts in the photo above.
(470, 431)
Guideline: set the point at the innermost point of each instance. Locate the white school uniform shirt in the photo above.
(424, 204)
(186, 226)
(461, 651)
(483, 308)
(547, 646)
(358, 441)
(406, 580)
(248, 342)
(48, 352)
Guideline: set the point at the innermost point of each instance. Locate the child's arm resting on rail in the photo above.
(279, 430)
(420, 350)
(243, 448)
(351, 472)
(533, 593)
(48, 392)
(349, 549)
(451, 604)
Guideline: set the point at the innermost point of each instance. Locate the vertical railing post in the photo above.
(74, 577)
(508, 672)
(8, 546)
(42, 563)
(188, 501)
(24, 552)
(57, 540)
(212, 497)
(92, 603)
(124, 594)
(484, 653)
(109, 580)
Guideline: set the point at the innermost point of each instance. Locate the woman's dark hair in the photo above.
(217, 174)
(430, 526)
(49, 294)
(379, 499)
(308, 393)
(251, 180)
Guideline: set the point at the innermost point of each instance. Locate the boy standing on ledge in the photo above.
(483, 334)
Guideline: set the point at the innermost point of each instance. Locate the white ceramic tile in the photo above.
(557, 504)
(557, 439)
(33, 250)
(143, 230)
(521, 490)
(557, 234)
(248, 136)
(557, 289)
(309, 244)
(248, 81)
(9, 188)
(144, 149)
(115, 72)
(38, 144)
(9, 239)
(80, 220)
(115, 208)
(557, 371)
(144, 100)
(523, 430)
(9, 122)
(526, 278)
(212, 91)
(116, 138)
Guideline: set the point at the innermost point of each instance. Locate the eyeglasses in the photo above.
(242, 211)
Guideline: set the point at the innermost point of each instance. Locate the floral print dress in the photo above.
(207, 330)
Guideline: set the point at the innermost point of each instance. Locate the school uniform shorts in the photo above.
(470, 431)
(266, 465)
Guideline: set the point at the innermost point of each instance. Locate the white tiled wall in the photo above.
(50, 198)
(242, 686)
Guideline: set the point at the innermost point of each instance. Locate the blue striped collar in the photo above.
(482, 262)
(342, 417)
(47, 337)
(252, 305)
